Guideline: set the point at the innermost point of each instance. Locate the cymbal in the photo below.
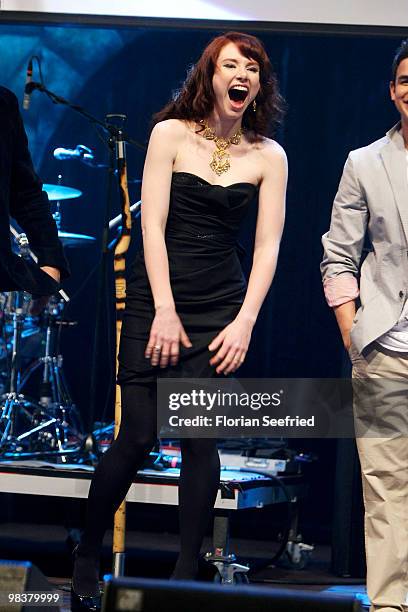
(60, 192)
(75, 240)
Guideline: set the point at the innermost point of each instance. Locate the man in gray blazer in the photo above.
(372, 200)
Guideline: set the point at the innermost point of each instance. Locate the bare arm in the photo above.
(155, 197)
(269, 228)
(233, 341)
(345, 314)
(166, 331)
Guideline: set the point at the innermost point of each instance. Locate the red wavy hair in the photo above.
(195, 100)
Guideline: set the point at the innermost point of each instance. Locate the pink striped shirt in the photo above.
(340, 289)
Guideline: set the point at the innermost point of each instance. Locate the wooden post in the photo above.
(121, 248)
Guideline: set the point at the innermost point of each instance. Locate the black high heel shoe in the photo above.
(91, 603)
(81, 603)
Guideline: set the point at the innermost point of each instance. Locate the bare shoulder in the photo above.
(271, 151)
(272, 159)
(170, 128)
(166, 138)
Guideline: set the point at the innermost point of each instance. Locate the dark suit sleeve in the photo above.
(29, 204)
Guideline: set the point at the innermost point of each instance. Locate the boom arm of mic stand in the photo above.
(109, 127)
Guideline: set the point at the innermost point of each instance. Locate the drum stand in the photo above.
(54, 393)
(13, 402)
(55, 406)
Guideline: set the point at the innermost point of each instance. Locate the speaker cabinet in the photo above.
(146, 595)
(24, 577)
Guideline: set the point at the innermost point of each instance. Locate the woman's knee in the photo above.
(133, 446)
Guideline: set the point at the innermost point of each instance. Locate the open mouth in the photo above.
(238, 93)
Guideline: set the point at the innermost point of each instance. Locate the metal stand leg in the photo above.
(50, 419)
(297, 553)
(229, 572)
(13, 402)
(118, 568)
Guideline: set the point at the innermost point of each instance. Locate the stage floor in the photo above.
(152, 555)
(42, 505)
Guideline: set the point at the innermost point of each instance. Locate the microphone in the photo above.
(27, 89)
(80, 152)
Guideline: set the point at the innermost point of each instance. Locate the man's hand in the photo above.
(53, 272)
(40, 303)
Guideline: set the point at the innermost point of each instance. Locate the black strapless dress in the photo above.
(205, 274)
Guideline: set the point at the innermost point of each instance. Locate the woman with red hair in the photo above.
(189, 312)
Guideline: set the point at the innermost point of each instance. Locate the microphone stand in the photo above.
(115, 134)
(113, 130)
(116, 141)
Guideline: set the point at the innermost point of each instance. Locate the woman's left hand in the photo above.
(232, 344)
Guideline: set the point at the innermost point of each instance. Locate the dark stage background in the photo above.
(336, 87)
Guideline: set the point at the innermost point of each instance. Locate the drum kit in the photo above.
(38, 417)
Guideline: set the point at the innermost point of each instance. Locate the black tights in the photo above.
(199, 479)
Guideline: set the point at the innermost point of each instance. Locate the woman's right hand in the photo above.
(166, 333)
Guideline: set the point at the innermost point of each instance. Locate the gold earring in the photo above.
(254, 105)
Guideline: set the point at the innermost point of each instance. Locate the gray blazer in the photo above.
(372, 197)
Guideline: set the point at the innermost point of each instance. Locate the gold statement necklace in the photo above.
(220, 161)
